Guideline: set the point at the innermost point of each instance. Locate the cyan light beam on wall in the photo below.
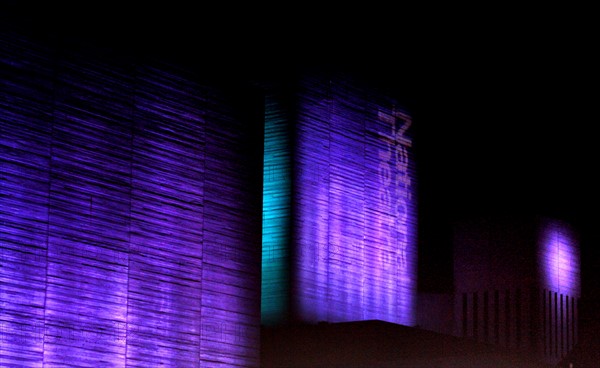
(276, 214)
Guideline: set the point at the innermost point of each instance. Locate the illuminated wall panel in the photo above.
(129, 211)
(25, 154)
(232, 220)
(167, 211)
(276, 212)
(559, 257)
(353, 245)
(89, 201)
(559, 276)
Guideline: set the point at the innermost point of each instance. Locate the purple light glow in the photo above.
(356, 215)
(560, 258)
(127, 226)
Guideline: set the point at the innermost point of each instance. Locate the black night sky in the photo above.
(503, 99)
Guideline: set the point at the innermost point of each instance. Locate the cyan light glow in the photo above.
(355, 220)
(560, 258)
(276, 215)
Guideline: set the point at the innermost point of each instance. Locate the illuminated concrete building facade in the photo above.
(131, 194)
(129, 208)
(339, 226)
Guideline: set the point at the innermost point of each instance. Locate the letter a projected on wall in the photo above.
(348, 251)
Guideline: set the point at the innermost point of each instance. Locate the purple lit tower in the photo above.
(518, 284)
(128, 213)
(339, 206)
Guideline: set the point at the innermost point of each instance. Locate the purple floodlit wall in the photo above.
(128, 221)
(354, 241)
(559, 257)
(559, 276)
